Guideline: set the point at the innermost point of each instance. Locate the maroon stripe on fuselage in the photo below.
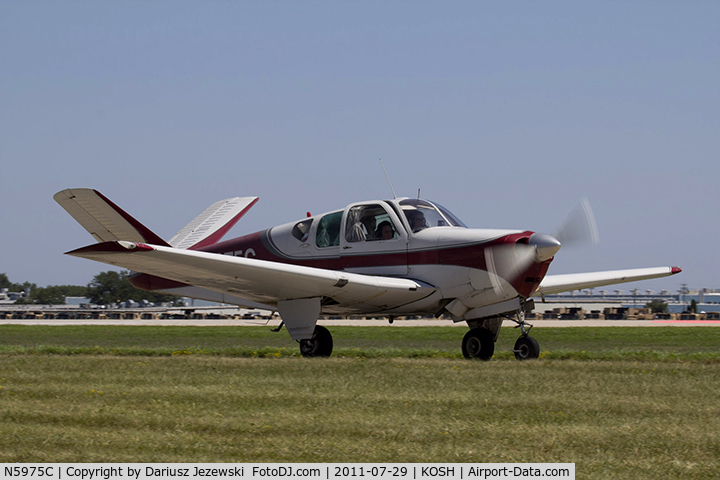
(473, 255)
(470, 255)
(262, 248)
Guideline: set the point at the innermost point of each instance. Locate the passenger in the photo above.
(385, 231)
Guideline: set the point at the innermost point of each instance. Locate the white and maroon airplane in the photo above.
(384, 257)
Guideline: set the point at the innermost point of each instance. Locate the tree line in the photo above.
(105, 288)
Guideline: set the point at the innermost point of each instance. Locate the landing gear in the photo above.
(478, 343)
(320, 345)
(526, 347)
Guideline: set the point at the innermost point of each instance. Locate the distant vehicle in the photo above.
(390, 258)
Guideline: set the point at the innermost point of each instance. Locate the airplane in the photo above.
(399, 257)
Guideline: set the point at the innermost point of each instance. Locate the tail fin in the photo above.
(107, 222)
(104, 220)
(212, 224)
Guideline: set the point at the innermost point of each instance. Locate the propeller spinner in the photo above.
(546, 246)
(578, 228)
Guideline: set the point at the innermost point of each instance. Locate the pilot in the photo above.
(416, 219)
(369, 224)
(385, 231)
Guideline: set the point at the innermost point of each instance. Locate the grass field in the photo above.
(639, 403)
(586, 343)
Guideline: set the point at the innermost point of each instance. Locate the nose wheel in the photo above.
(526, 347)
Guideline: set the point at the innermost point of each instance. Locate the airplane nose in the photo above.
(546, 246)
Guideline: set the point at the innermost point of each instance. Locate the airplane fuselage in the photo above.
(479, 266)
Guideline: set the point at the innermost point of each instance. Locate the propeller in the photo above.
(579, 227)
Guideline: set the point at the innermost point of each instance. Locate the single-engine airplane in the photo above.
(384, 257)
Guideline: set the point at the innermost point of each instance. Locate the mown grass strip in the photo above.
(614, 419)
(268, 352)
(666, 344)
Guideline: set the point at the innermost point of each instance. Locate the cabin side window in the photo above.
(369, 223)
(328, 230)
(301, 230)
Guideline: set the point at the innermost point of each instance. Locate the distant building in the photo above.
(707, 301)
(77, 301)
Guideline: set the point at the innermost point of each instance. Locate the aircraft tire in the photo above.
(526, 348)
(320, 345)
(478, 344)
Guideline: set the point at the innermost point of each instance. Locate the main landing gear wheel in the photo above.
(526, 348)
(478, 343)
(320, 345)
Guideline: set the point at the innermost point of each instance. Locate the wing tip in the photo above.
(674, 270)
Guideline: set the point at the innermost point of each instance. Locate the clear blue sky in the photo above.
(507, 113)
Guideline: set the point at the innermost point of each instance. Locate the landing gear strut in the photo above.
(320, 345)
(526, 347)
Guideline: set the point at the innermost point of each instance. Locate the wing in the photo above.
(258, 280)
(577, 281)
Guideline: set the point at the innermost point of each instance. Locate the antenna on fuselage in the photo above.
(388, 179)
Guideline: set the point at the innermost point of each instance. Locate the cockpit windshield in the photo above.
(422, 214)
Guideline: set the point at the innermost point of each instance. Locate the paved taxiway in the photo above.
(369, 323)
